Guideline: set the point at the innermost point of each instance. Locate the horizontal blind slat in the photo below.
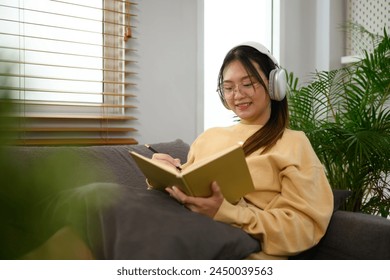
(82, 5)
(21, 89)
(62, 27)
(95, 105)
(70, 16)
(59, 65)
(71, 129)
(80, 141)
(68, 41)
(125, 60)
(73, 117)
(66, 79)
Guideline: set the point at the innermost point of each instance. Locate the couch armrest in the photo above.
(352, 235)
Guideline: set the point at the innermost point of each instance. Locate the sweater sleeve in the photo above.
(291, 216)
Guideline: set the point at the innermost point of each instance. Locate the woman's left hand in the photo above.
(204, 205)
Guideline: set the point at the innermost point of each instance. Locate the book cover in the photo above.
(228, 168)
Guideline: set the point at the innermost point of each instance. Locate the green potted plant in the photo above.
(346, 115)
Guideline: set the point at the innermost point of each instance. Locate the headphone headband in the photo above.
(261, 48)
(277, 81)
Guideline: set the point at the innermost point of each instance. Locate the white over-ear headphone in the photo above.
(277, 78)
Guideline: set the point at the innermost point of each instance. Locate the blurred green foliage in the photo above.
(40, 195)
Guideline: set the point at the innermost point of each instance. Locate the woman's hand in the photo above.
(204, 205)
(167, 160)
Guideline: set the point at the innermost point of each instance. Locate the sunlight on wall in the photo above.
(228, 23)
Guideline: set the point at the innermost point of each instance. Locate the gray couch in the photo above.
(144, 224)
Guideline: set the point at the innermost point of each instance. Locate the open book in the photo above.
(228, 168)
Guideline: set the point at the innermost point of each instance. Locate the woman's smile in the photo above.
(243, 105)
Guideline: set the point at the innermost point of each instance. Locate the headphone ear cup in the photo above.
(277, 84)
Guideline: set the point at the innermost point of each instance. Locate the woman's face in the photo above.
(245, 97)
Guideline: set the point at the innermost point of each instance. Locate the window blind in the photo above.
(66, 66)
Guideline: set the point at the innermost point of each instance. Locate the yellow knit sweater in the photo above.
(292, 205)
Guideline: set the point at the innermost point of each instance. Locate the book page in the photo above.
(229, 169)
(160, 175)
(208, 159)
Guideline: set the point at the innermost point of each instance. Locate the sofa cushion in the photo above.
(149, 224)
(355, 236)
(82, 165)
(339, 198)
(137, 224)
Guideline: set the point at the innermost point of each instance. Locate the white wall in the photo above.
(168, 83)
(310, 35)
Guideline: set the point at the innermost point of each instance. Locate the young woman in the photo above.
(290, 209)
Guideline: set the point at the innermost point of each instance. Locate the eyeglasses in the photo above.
(246, 87)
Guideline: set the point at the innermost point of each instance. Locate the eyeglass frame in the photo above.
(242, 87)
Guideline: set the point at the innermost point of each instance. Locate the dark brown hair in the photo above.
(267, 136)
